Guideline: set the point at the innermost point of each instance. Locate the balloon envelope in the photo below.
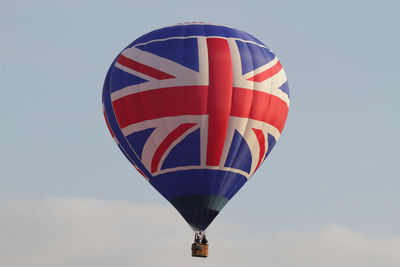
(196, 108)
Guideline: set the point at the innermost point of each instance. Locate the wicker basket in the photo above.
(199, 250)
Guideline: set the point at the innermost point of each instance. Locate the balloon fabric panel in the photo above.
(196, 108)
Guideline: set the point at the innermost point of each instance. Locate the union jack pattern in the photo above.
(196, 97)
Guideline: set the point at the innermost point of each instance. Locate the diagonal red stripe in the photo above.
(267, 73)
(261, 142)
(166, 143)
(139, 67)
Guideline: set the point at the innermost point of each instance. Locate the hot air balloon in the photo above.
(196, 108)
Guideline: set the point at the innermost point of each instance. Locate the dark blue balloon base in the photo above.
(199, 219)
(198, 194)
(199, 210)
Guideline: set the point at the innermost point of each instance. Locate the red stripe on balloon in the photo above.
(219, 97)
(158, 103)
(261, 142)
(260, 77)
(142, 173)
(192, 100)
(167, 142)
(146, 70)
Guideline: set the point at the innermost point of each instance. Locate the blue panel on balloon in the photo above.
(285, 88)
(239, 156)
(182, 51)
(186, 153)
(253, 56)
(138, 139)
(271, 144)
(198, 182)
(121, 79)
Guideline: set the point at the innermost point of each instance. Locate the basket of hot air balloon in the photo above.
(196, 108)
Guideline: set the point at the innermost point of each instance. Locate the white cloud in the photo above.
(61, 232)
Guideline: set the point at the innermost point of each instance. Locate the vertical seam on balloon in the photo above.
(270, 93)
(224, 176)
(251, 105)
(213, 181)
(267, 110)
(183, 78)
(254, 144)
(166, 120)
(204, 140)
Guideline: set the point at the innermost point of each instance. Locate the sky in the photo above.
(326, 196)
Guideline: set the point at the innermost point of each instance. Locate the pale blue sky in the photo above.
(336, 162)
